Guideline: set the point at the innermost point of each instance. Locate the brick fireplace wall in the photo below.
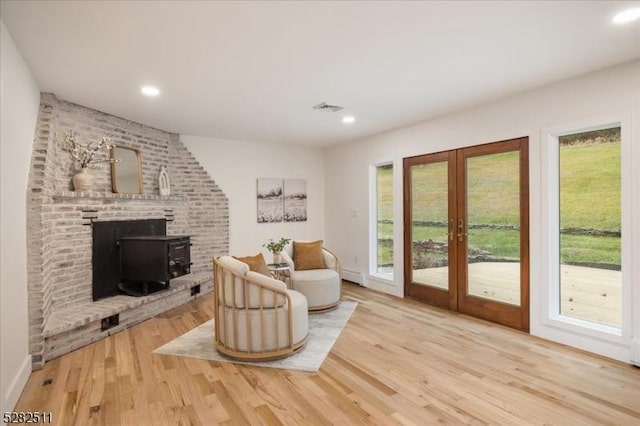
(59, 221)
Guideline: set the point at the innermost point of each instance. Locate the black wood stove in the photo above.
(137, 257)
(152, 259)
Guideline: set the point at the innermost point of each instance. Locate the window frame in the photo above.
(550, 235)
(373, 222)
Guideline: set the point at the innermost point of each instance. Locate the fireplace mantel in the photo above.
(99, 195)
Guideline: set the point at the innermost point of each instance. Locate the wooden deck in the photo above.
(587, 293)
(398, 361)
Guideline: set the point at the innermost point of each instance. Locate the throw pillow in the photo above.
(256, 264)
(308, 255)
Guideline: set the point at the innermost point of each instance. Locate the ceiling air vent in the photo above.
(326, 107)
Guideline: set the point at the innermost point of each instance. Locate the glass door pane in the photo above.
(430, 269)
(430, 224)
(493, 226)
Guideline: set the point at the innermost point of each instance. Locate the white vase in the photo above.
(277, 257)
(163, 181)
(83, 180)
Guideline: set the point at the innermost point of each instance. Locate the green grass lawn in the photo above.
(590, 186)
(589, 199)
(506, 244)
(385, 192)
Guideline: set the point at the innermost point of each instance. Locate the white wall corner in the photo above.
(353, 276)
(384, 286)
(18, 382)
(635, 351)
(260, 160)
(20, 102)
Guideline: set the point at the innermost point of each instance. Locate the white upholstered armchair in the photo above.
(256, 317)
(315, 272)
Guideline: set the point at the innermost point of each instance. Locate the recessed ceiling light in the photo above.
(348, 119)
(627, 16)
(150, 91)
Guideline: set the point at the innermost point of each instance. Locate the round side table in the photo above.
(281, 271)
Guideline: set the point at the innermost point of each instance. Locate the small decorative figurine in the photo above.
(163, 181)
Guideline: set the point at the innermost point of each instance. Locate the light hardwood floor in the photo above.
(396, 362)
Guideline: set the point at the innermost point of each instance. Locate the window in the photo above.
(382, 229)
(590, 277)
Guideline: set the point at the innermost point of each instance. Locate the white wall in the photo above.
(20, 98)
(235, 166)
(612, 91)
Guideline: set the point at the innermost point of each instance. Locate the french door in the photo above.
(466, 231)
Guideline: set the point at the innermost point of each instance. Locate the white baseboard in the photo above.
(18, 383)
(384, 286)
(635, 351)
(353, 276)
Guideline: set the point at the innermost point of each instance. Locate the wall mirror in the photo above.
(126, 170)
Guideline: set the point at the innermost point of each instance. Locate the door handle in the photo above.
(461, 233)
(451, 228)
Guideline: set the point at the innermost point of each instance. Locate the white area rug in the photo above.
(324, 330)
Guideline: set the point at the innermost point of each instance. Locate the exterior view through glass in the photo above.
(590, 226)
(384, 220)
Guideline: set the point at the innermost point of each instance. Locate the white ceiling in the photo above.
(253, 70)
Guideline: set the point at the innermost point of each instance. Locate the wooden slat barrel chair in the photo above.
(316, 273)
(256, 317)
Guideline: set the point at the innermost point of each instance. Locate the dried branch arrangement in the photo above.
(89, 153)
